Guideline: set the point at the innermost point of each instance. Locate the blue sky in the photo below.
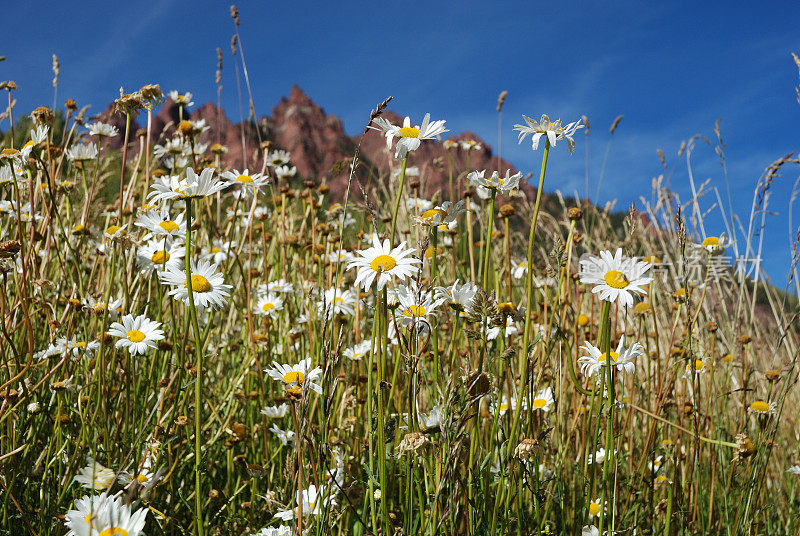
(671, 68)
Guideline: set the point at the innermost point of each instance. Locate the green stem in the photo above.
(488, 242)
(397, 198)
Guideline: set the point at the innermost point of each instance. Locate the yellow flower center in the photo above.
(9, 152)
(594, 509)
(414, 310)
(383, 263)
(604, 357)
(244, 178)
(583, 320)
(200, 283)
(539, 403)
(504, 407)
(711, 241)
(80, 344)
(114, 531)
(759, 406)
(616, 279)
(641, 307)
(135, 335)
(79, 228)
(142, 478)
(337, 300)
(429, 252)
(168, 226)
(431, 213)
(409, 132)
(113, 230)
(215, 249)
(29, 143)
(294, 377)
(160, 257)
(268, 307)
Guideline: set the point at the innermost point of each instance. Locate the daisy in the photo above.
(98, 307)
(470, 145)
(82, 153)
(285, 437)
(794, 469)
(623, 358)
(553, 131)
(418, 204)
(337, 302)
(276, 412)
(249, 183)
(383, 263)
(218, 253)
(410, 137)
(590, 530)
(615, 277)
(700, 367)
(144, 476)
(338, 256)
(137, 334)
(278, 158)
(415, 306)
(312, 499)
(443, 214)
(760, 407)
(493, 332)
(152, 256)
(102, 515)
(543, 400)
(356, 352)
(281, 285)
(458, 297)
(714, 245)
(101, 129)
(62, 346)
(519, 269)
(505, 405)
(431, 420)
(497, 183)
(184, 100)
(269, 304)
(594, 507)
(208, 289)
(161, 225)
(193, 187)
(296, 375)
(657, 464)
(95, 476)
(283, 530)
(285, 172)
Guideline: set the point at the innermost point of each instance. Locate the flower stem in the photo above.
(397, 198)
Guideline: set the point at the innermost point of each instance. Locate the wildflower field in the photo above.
(193, 347)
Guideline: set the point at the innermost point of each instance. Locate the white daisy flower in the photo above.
(296, 375)
(269, 304)
(101, 129)
(433, 419)
(82, 152)
(194, 186)
(623, 358)
(249, 183)
(152, 256)
(281, 285)
(276, 412)
(506, 404)
(358, 351)
(312, 499)
(382, 263)
(415, 306)
(714, 245)
(495, 331)
(160, 224)
(337, 302)
(137, 334)
(615, 277)
(543, 400)
(208, 289)
(102, 515)
(283, 530)
(470, 145)
(278, 158)
(418, 204)
(444, 214)
(284, 172)
(341, 255)
(459, 297)
(409, 137)
(184, 100)
(554, 131)
(286, 437)
(95, 476)
(519, 269)
(114, 306)
(503, 185)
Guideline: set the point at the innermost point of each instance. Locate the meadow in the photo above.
(193, 348)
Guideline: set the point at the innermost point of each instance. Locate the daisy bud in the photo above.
(43, 116)
(575, 214)
(9, 248)
(181, 420)
(71, 105)
(294, 393)
(34, 408)
(772, 375)
(506, 211)
(745, 339)
(412, 443)
(185, 128)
